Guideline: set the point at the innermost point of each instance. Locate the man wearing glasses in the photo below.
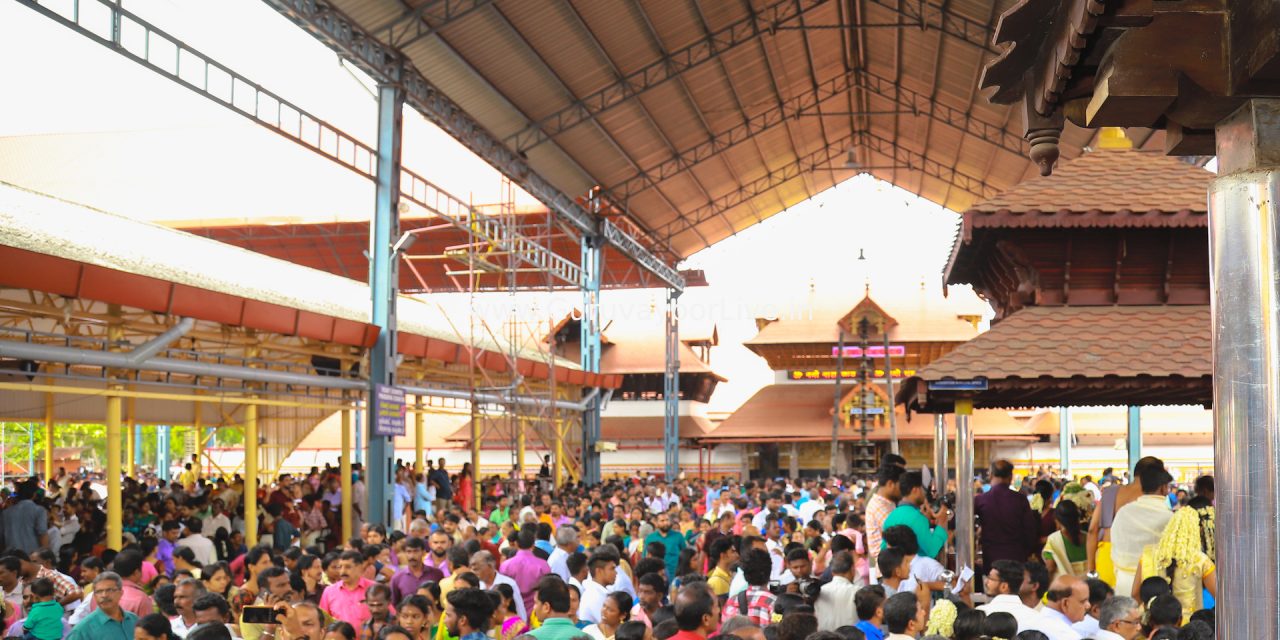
(1119, 618)
(109, 621)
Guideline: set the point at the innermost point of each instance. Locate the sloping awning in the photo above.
(802, 413)
(1078, 356)
(612, 429)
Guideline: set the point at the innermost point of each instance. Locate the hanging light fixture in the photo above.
(861, 255)
(851, 160)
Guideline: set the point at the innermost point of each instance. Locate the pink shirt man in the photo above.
(526, 569)
(346, 604)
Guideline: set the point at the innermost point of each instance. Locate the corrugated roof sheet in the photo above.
(914, 116)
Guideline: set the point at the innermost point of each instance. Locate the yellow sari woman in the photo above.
(1184, 558)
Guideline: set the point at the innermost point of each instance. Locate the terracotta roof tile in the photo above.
(921, 316)
(1090, 342)
(1105, 188)
(802, 412)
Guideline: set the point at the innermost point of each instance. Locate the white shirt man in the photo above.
(922, 570)
(834, 606)
(201, 546)
(592, 600)
(814, 505)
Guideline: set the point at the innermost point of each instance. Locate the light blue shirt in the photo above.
(423, 496)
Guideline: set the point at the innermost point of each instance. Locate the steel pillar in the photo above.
(940, 454)
(835, 465)
(888, 381)
(419, 438)
(966, 552)
(592, 248)
(344, 470)
(1133, 437)
(1244, 270)
(383, 232)
(136, 430)
(1064, 440)
(162, 450)
(198, 425)
(671, 390)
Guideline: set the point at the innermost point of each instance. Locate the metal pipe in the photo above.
(888, 380)
(940, 454)
(89, 357)
(493, 398)
(150, 348)
(1244, 258)
(114, 360)
(965, 549)
(834, 466)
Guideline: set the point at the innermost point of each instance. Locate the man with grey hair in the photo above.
(185, 594)
(419, 528)
(742, 627)
(486, 568)
(566, 545)
(1120, 618)
(109, 621)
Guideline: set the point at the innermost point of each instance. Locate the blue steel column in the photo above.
(671, 390)
(137, 446)
(1133, 435)
(384, 230)
(162, 451)
(1064, 440)
(592, 247)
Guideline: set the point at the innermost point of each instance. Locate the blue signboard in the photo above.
(976, 384)
(391, 411)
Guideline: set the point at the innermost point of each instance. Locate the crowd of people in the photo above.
(631, 559)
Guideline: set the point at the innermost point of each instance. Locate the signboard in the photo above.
(895, 350)
(871, 411)
(847, 374)
(391, 411)
(976, 384)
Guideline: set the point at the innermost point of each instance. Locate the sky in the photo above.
(161, 152)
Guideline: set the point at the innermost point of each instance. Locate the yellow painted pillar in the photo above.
(198, 425)
(48, 436)
(344, 469)
(131, 420)
(115, 511)
(251, 475)
(420, 438)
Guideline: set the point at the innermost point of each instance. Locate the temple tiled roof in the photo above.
(1044, 356)
(1108, 187)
